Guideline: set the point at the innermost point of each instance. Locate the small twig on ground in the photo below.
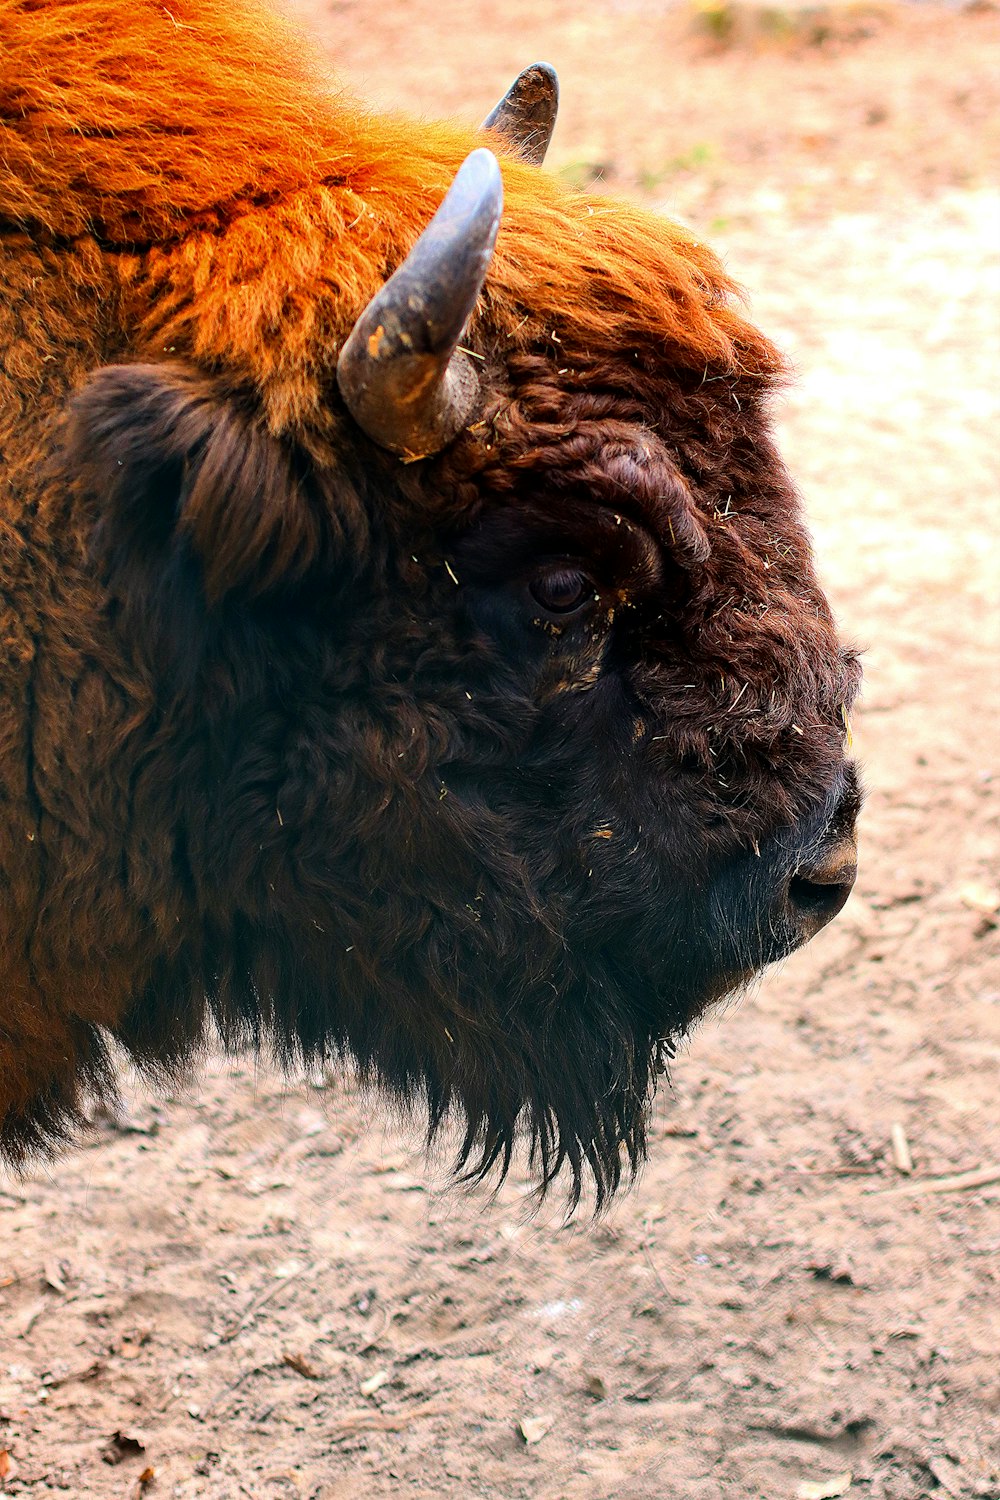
(301, 1366)
(641, 1391)
(901, 1158)
(957, 1182)
(38, 1311)
(656, 1273)
(234, 1385)
(87, 1372)
(871, 1171)
(262, 1299)
(384, 1421)
(820, 1338)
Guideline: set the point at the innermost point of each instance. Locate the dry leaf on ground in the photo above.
(122, 1445)
(980, 897)
(824, 1489)
(301, 1366)
(533, 1429)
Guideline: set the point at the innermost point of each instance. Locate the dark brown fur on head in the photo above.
(488, 771)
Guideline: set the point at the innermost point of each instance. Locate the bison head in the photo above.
(482, 728)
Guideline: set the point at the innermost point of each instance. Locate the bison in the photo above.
(411, 646)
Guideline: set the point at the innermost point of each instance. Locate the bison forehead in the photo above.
(689, 463)
(674, 489)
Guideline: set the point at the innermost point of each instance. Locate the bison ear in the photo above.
(169, 464)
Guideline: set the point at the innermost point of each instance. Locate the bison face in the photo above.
(488, 771)
(498, 807)
(687, 827)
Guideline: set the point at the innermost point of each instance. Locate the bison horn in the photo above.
(401, 373)
(526, 115)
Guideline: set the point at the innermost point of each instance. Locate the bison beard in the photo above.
(489, 770)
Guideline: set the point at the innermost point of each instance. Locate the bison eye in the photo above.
(562, 590)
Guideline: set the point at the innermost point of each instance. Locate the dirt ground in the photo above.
(260, 1289)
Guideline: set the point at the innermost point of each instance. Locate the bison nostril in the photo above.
(816, 893)
(810, 896)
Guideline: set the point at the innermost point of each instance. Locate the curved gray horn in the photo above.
(526, 115)
(401, 374)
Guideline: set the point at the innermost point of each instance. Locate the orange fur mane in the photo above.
(213, 195)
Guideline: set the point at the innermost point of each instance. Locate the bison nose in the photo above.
(820, 886)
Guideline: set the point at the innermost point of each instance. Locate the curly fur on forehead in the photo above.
(765, 680)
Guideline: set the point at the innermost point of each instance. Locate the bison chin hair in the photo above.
(585, 1117)
(578, 1103)
(569, 1076)
(579, 1107)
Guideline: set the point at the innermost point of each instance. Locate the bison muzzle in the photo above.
(411, 648)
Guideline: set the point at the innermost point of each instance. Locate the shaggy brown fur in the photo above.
(261, 757)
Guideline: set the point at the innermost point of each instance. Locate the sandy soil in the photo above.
(260, 1289)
